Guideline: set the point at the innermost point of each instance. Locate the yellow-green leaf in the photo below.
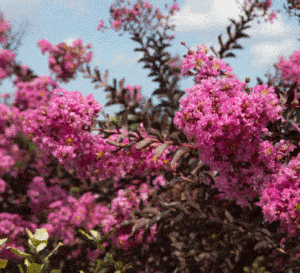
(19, 252)
(3, 263)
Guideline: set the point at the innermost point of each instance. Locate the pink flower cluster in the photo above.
(41, 196)
(133, 93)
(122, 17)
(62, 129)
(13, 227)
(67, 215)
(8, 130)
(264, 5)
(203, 66)
(33, 94)
(226, 124)
(281, 200)
(294, 4)
(64, 60)
(4, 27)
(7, 58)
(290, 69)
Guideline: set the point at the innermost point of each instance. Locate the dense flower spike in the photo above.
(64, 60)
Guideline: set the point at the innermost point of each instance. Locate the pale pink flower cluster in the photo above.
(203, 66)
(7, 58)
(4, 27)
(33, 94)
(64, 60)
(226, 124)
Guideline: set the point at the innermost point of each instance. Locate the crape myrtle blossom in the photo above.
(64, 60)
(13, 227)
(63, 124)
(295, 4)
(263, 5)
(290, 69)
(65, 217)
(133, 93)
(9, 151)
(4, 27)
(203, 66)
(7, 58)
(62, 129)
(141, 13)
(226, 124)
(33, 94)
(41, 196)
(281, 200)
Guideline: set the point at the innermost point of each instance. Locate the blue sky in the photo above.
(199, 21)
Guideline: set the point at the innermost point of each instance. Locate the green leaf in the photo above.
(29, 233)
(45, 267)
(21, 269)
(87, 235)
(20, 253)
(3, 263)
(34, 268)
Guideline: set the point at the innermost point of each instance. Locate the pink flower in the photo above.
(100, 25)
(116, 24)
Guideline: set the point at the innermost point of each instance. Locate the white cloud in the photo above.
(123, 59)
(70, 40)
(267, 53)
(201, 14)
(79, 5)
(276, 30)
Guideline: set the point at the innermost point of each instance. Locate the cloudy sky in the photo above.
(199, 21)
